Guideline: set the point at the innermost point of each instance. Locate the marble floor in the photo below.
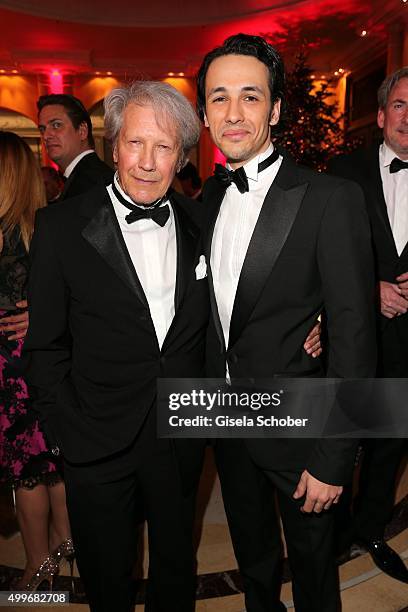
(363, 587)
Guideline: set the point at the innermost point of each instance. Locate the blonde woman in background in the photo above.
(25, 461)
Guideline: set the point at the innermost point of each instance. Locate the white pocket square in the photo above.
(201, 268)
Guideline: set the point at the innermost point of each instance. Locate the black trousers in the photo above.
(103, 502)
(373, 505)
(248, 493)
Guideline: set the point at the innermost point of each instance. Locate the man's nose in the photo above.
(47, 132)
(234, 112)
(147, 159)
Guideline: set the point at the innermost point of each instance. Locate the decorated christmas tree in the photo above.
(311, 130)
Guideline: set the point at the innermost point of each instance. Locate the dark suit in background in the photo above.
(309, 253)
(375, 501)
(93, 361)
(89, 172)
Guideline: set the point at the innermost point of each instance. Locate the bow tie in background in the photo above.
(239, 177)
(397, 164)
(157, 213)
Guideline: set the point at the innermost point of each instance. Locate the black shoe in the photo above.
(386, 559)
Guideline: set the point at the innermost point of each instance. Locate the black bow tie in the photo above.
(239, 177)
(397, 164)
(156, 212)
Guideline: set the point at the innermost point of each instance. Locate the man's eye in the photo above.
(218, 99)
(56, 125)
(251, 98)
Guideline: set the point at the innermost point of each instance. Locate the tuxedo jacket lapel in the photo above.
(213, 198)
(187, 237)
(275, 221)
(103, 234)
(377, 196)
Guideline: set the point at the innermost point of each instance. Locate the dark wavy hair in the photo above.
(246, 44)
(74, 108)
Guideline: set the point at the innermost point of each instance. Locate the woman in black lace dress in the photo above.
(24, 458)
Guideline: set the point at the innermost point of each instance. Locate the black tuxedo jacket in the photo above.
(92, 352)
(363, 167)
(310, 252)
(89, 172)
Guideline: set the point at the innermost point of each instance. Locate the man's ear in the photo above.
(115, 153)
(380, 118)
(83, 131)
(206, 121)
(275, 113)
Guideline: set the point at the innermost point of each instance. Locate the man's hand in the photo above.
(402, 281)
(17, 323)
(319, 495)
(393, 302)
(312, 344)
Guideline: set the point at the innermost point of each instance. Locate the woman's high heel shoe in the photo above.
(66, 551)
(46, 572)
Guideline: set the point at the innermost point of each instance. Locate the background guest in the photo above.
(382, 172)
(66, 129)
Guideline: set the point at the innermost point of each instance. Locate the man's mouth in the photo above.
(145, 181)
(235, 134)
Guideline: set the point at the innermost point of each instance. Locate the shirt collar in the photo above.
(251, 168)
(386, 155)
(69, 169)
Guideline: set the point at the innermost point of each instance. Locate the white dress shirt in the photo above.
(233, 230)
(395, 188)
(153, 252)
(70, 168)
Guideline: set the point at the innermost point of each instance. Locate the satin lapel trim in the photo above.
(376, 188)
(275, 221)
(214, 207)
(187, 244)
(103, 234)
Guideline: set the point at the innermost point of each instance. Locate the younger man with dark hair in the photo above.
(284, 244)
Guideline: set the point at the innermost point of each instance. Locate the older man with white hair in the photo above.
(126, 308)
